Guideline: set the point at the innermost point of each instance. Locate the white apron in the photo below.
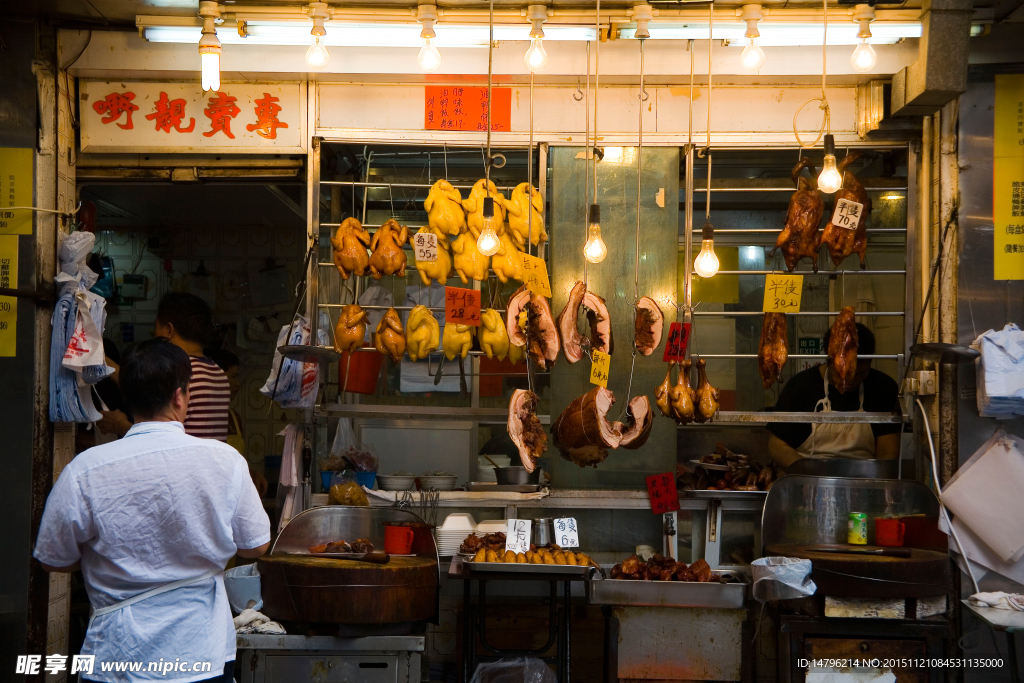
(167, 587)
(855, 441)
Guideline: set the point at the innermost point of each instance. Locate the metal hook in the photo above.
(578, 95)
(644, 95)
(494, 164)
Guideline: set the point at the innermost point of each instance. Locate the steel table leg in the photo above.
(567, 642)
(468, 632)
(1011, 654)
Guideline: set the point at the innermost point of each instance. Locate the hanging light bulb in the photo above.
(706, 263)
(317, 55)
(536, 58)
(209, 46)
(487, 243)
(595, 249)
(429, 58)
(863, 57)
(829, 180)
(752, 57)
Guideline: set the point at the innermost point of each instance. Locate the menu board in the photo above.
(1008, 178)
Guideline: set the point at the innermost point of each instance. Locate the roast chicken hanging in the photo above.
(422, 333)
(519, 208)
(438, 270)
(388, 257)
(682, 399)
(842, 349)
(799, 237)
(390, 337)
(349, 242)
(648, 325)
(350, 329)
(474, 206)
(470, 264)
(525, 429)
(529, 323)
(457, 340)
(493, 334)
(600, 338)
(852, 236)
(707, 395)
(773, 349)
(507, 264)
(445, 215)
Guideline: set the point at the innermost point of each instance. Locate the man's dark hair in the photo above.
(865, 340)
(224, 359)
(190, 315)
(150, 373)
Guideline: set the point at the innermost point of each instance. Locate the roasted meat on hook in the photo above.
(350, 330)
(582, 433)
(707, 395)
(773, 349)
(637, 429)
(390, 337)
(598, 318)
(661, 394)
(349, 245)
(842, 242)
(529, 323)
(388, 257)
(842, 349)
(648, 325)
(525, 429)
(682, 398)
(799, 237)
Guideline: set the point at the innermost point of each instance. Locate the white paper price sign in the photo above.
(567, 533)
(517, 536)
(847, 214)
(425, 246)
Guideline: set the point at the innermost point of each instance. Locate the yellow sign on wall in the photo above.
(782, 293)
(8, 304)
(1008, 178)
(15, 190)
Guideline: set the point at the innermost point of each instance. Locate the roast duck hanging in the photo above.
(445, 215)
(842, 350)
(529, 324)
(388, 257)
(422, 333)
(390, 337)
(707, 395)
(799, 237)
(772, 352)
(520, 207)
(349, 242)
(350, 329)
(844, 241)
(600, 338)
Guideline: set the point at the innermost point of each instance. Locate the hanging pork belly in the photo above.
(529, 323)
(648, 325)
(582, 433)
(600, 338)
(525, 429)
(637, 429)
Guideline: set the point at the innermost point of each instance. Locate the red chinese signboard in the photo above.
(465, 108)
(675, 345)
(461, 306)
(661, 489)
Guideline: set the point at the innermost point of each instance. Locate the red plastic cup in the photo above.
(889, 532)
(398, 540)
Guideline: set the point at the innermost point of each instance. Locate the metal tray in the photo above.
(506, 488)
(667, 593)
(725, 495)
(508, 568)
(712, 466)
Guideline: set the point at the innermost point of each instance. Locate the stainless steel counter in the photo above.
(330, 659)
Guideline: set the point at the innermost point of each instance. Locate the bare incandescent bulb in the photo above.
(830, 180)
(863, 57)
(706, 263)
(488, 243)
(429, 58)
(595, 249)
(536, 58)
(752, 57)
(317, 55)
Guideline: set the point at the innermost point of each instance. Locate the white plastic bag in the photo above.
(292, 383)
(517, 670)
(85, 347)
(242, 585)
(782, 578)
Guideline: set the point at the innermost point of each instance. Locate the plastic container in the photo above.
(363, 368)
(242, 585)
(366, 479)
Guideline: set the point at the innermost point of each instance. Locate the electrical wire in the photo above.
(586, 161)
(826, 122)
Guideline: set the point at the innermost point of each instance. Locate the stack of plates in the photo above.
(453, 532)
(491, 526)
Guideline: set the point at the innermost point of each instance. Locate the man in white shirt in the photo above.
(151, 520)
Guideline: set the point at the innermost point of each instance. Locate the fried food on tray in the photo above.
(661, 568)
(473, 543)
(360, 545)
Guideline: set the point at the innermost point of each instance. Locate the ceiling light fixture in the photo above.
(488, 243)
(595, 249)
(536, 58)
(830, 180)
(429, 58)
(752, 57)
(209, 45)
(317, 55)
(863, 57)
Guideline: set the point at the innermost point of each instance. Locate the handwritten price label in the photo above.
(535, 275)
(847, 214)
(599, 368)
(567, 532)
(678, 340)
(425, 247)
(517, 535)
(782, 293)
(661, 489)
(461, 306)
(465, 108)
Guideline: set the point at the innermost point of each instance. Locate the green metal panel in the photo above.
(613, 279)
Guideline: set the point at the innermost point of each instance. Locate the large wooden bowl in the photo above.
(312, 589)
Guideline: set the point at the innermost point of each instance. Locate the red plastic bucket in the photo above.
(358, 372)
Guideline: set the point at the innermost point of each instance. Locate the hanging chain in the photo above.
(586, 161)
(529, 176)
(639, 173)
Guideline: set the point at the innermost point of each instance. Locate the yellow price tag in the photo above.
(599, 368)
(782, 293)
(535, 275)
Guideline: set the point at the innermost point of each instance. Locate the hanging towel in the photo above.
(1000, 372)
(289, 489)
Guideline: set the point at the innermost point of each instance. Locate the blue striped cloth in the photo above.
(67, 403)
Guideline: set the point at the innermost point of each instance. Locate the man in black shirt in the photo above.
(872, 391)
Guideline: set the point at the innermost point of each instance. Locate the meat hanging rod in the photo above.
(811, 272)
(425, 186)
(754, 231)
(815, 356)
(397, 308)
(737, 314)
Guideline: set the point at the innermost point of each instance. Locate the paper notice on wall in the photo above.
(1008, 178)
(8, 304)
(15, 190)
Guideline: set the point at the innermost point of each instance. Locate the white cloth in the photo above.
(998, 600)
(375, 295)
(289, 489)
(154, 507)
(414, 377)
(854, 441)
(1000, 372)
(251, 621)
